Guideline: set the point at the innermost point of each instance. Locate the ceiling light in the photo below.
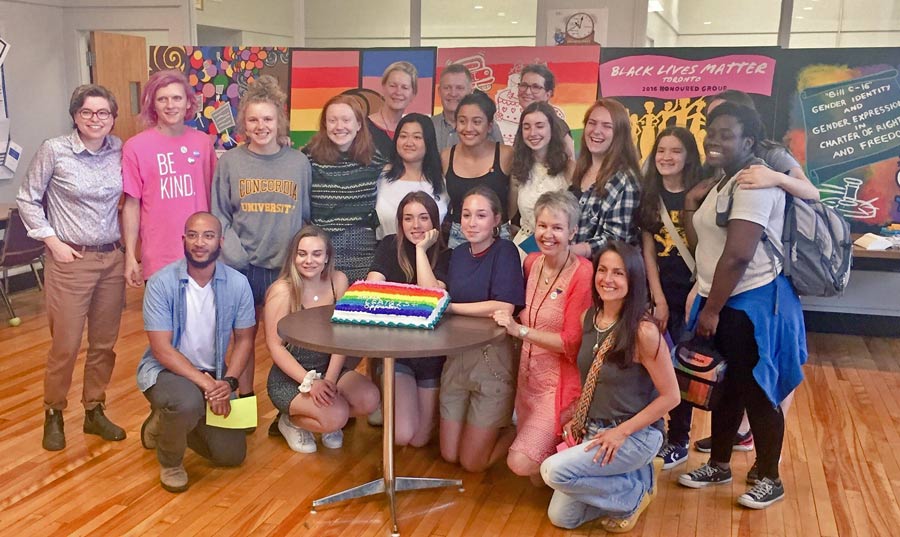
(707, 22)
(479, 7)
(501, 14)
(799, 17)
(514, 22)
(654, 6)
(807, 8)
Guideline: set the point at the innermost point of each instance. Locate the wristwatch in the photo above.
(232, 383)
(523, 331)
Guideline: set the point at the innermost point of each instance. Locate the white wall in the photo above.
(36, 88)
(627, 19)
(46, 60)
(262, 22)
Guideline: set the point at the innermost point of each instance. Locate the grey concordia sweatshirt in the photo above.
(262, 201)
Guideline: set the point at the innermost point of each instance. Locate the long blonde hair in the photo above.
(289, 272)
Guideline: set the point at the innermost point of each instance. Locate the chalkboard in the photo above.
(838, 110)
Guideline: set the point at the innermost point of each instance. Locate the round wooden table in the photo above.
(314, 330)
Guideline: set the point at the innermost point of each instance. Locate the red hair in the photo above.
(321, 149)
(621, 155)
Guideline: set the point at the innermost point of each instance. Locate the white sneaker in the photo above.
(300, 440)
(333, 440)
(375, 419)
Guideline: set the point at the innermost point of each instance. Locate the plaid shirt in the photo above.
(610, 214)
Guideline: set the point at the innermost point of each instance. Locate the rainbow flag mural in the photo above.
(375, 61)
(496, 72)
(316, 76)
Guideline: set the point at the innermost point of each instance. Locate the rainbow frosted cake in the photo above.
(391, 304)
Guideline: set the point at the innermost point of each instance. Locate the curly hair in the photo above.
(264, 89)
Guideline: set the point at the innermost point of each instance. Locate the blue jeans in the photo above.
(585, 491)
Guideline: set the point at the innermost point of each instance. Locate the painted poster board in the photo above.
(319, 74)
(838, 112)
(495, 71)
(220, 75)
(664, 87)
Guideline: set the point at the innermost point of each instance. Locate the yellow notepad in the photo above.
(242, 415)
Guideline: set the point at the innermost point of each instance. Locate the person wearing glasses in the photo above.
(536, 83)
(455, 83)
(69, 200)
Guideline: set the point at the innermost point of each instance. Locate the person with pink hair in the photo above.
(167, 174)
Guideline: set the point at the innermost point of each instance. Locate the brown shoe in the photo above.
(95, 422)
(173, 479)
(54, 436)
(150, 430)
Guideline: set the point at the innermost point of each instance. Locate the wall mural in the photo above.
(318, 74)
(495, 70)
(840, 116)
(670, 86)
(220, 75)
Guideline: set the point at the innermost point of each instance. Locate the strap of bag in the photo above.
(676, 237)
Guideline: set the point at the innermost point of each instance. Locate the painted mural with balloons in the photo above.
(220, 75)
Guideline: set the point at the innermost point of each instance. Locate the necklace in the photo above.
(387, 126)
(602, 332)
(532, 311)
(483, 252)
(547, 278)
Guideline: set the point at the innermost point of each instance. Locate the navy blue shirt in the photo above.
(495, 275)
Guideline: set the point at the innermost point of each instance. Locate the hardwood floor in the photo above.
(841, 464)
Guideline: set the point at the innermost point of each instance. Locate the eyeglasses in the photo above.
(102, 115)
(535, 88)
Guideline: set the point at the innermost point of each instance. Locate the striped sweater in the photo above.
(343, 194)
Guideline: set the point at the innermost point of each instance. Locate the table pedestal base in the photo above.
(377, 486)
(388, 484)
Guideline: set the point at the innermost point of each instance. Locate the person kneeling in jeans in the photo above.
(191, 309)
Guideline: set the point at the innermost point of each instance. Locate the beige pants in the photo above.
(91, 289)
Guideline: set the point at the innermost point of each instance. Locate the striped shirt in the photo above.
(610, 214)
(343, 195)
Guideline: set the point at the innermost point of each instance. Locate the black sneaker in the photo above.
(273, 429)
(763, 494)
(705, 476)
(742, 442)
(672, 455)
(753, 474)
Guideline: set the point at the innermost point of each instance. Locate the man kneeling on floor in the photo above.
(191, 308)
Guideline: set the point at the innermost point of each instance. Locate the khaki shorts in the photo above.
(478, 387)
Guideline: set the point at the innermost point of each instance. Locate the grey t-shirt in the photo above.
(262, 200)
(779, 159)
